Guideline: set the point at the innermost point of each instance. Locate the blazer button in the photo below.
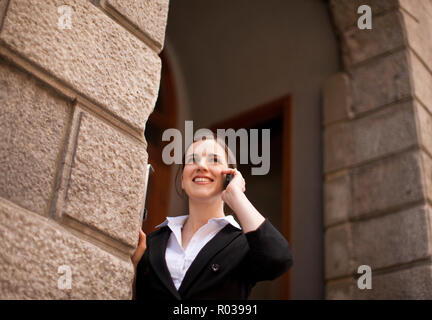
(215, 267)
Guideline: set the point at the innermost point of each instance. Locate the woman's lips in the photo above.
(202, 180)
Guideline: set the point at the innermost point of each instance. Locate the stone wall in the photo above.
(377, 137)
(74, 103)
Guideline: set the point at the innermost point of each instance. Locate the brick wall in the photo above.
(74, 103)
(378, 152)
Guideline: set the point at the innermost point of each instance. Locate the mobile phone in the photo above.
(228, 179)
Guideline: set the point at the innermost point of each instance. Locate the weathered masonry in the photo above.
(74, 103)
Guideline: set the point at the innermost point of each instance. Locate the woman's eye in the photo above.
(190, 160)
(214, 159)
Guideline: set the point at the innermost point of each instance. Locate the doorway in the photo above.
(270, 193)
(163, 117)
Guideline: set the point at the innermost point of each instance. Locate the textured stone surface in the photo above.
(386, 34)
(337, 199)
(380, 82)
(337, 100)
(424, 122)
(3, 4)
(97, 57)
(34, 247)
(106, 186)
(338, 253)
(33, 121)
(419, 28)
(392, 239)
(386, 184)
(387, 131)
(341, 289)
(148, 15)
(336, 156)
(427, 174)
(422, 82)
(345, 12)
(412, 283)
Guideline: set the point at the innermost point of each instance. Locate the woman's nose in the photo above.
(202, 164)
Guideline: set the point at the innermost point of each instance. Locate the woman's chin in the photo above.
(203, 195)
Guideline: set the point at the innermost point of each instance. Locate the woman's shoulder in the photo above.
(157, 232)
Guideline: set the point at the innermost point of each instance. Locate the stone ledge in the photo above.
(149, 17)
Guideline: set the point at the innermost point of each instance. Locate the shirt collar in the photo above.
(180, 220)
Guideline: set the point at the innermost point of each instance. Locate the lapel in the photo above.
(157, 259)
(216, 244)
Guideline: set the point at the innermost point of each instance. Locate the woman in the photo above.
(207, 255)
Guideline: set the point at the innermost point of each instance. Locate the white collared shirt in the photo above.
(179, 260)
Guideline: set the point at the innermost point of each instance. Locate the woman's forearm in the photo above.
(249, 217)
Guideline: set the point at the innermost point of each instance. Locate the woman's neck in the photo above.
(201, 212)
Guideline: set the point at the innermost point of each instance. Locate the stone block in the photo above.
(149, 16)
(381, 81)
(33, 121)
(418, 28)
(386, 34)
(413, 283)
(97, 57)
(345, 12)
(384, 132)
(106, 186)
(337, 199)
(33, 249)
(422, 81)
(387, 184)
(337, 98)
(3, 5)
(338, 253)
(392, 239)
(387, 131)
(427, 174)
(339, 146)
(341, 289)
(424, 123)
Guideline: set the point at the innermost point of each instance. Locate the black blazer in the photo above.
(227, 267)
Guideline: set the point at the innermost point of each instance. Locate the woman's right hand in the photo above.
(142, 245)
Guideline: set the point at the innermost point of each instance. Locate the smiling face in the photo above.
(202, 178)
